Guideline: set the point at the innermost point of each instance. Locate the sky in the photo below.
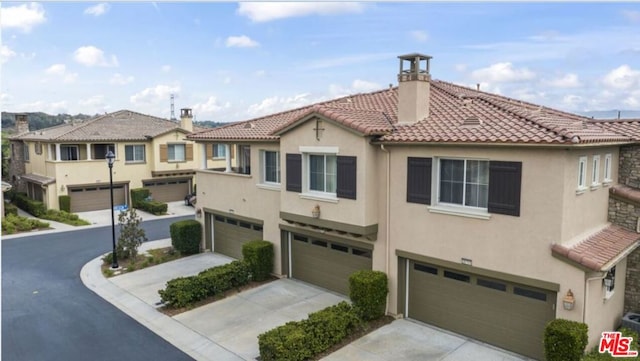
(232, 61)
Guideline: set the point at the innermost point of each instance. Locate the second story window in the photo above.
(69, 152)
(607, 168)
(582, 174)
(134, 153)
(595, 171)
(176, 152)
(464, 182)
(219, 151)
(26, 152)
(322, 173)
(271, 166)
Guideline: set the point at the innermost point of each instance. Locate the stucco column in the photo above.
(58, 157)
(227, 157)
(203, 151)
(88, 151)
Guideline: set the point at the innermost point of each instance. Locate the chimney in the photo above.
(186, 119)
(22, 124)
(413, 88)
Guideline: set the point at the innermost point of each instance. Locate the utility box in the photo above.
(632, 321)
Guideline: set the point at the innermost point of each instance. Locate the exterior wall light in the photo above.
(568, 302)
(315, 212)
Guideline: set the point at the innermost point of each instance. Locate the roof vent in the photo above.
(249, 125)
(472, 121)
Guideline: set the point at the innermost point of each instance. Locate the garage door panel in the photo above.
(486, 309)
(325, 263)
(230, 237)
(92, 198)
(167, 190)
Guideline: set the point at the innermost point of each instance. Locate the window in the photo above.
(176, 152)
(38, 147)
(419, 180)
(464, 182)
(219, 150)
(244, 159)
(100, 151)
(595, 171)
(322, 173)
(69, 152)
(607, 168)
(582, 173)
(134, 153)
(271, 166)
(26, 151)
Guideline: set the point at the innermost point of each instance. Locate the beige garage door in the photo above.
(325, 263)
(92, 198)
(508, 315)
(167, 190)
(229, 234)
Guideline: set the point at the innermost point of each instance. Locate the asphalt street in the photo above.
(47, 312)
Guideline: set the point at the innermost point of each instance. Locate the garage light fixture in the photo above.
(315, 212)
(568, 302)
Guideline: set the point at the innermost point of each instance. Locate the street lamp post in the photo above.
(110, 159)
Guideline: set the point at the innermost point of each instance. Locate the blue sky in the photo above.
(235, 61)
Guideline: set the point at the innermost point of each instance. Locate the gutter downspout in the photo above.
(388, 221)
(586, 293)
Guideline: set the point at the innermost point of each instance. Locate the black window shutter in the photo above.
(505, 180)
(294, 172)
(347, 177)
(419, 180)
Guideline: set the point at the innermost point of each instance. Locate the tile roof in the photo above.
(40, 179)
(123, 125)
(629, 127)
(457, 114)
(625, 192)
(598, 250)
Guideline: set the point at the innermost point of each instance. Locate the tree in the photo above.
(131, 234)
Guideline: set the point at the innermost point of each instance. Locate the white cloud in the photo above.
(56, 69)
(569, 80)
(357, 86)
(23, 17)
(58, 107)
(419, 36)
(502, 73)
(6, 54)
(461, 67)
(154, 95)
(622, 77)
(276, 104)
(92, 56)
(97, 10)
(166, 68)
(633, 100)
(119, 79)
(268, 11)
(632, 15)
(572, 101)
(241, 41)
(210, 107)
(96, 101)
(348, 60)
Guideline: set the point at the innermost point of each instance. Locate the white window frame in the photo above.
(307, 193)
(219, 151)
(607, 169)
(184, 147)
(595, 172)
(144, 153)
(582, 175)
(263, 168)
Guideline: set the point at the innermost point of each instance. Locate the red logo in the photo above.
(616, 345)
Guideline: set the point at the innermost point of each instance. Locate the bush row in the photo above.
(138, 195)
(153, 207)
(64, 217)
(185, 236)
(65, 203)
(13, 223)
(35, 208)
(185, 291)
(301, 340)
(10, 208)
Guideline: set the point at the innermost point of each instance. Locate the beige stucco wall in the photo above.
(363, 210)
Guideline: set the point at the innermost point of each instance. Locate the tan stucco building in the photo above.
(484, 211)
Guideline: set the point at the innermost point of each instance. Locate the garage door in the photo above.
(167, 190)
(92, 198)
(325, 263)
(229, 234)
(509, 315)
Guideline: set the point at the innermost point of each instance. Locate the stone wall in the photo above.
(623, 212)
(16, 165)
(629, 167)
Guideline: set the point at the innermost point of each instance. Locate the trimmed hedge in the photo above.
(259, 256)
(65, 203)
(35, 208)
(565, 340)
(13, 223)
(301, 340)
(138, 195)
(185, 291)
(153, 207)
(10, 209)
(64, 217)
(186, 236)
(368, 291)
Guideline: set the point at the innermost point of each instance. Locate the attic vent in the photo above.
(248, 126)
(472, 121)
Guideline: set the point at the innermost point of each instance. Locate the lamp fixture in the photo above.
(315, 212)
(568, 302)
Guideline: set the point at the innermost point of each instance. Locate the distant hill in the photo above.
(612, 114)
(39, 120)
(208, 123)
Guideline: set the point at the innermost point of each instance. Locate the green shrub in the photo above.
(186, 236)
(153, 207)
(368, 291)
(12, 224)
(64, 217)
(302, 340)
(10, 209)
(8, 227)
(35, 208)
(65, 203)
(185, 291)
(565, 340)
(259, 256)
(138, 195)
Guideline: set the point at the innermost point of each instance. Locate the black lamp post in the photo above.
(110, 159)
